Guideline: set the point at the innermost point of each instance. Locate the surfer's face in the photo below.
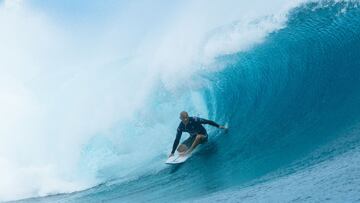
(184, 118)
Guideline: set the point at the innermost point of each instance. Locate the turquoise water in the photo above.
(292, 103)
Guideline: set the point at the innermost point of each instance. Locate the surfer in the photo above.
(198, 134)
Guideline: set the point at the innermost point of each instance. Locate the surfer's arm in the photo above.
(177, 140)
(210, 122)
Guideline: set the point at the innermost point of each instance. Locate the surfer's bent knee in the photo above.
(182, 148)
(200, 136)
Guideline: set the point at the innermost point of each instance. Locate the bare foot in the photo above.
(183, 153)
(186, 153)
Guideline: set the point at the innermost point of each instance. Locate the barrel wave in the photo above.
(292, 103)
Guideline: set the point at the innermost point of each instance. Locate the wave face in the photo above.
(286, 97)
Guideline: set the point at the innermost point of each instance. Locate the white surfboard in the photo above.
(177, 159)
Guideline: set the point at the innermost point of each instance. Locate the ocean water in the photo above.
(291, 100)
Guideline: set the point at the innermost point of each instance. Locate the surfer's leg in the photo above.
(199, 138)
(182, 148)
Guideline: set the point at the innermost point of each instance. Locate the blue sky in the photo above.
(125, 19)
(78, 9)
(101, 10)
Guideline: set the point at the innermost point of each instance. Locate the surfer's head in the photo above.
(184, 117)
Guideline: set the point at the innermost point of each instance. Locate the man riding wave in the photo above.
(198, 134)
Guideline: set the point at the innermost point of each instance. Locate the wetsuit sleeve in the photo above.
(204, 121)
(177, 139)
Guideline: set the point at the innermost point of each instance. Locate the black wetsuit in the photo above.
(194, 127)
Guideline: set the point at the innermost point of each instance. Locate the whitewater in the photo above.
(90, 95)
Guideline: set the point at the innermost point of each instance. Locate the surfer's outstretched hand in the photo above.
(224, 128)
